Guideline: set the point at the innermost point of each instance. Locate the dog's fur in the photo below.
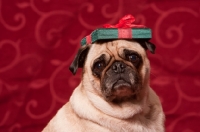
(114, 94)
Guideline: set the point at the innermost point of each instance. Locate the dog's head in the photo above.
(116, 70)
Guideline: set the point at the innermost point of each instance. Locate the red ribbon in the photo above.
(126, 22)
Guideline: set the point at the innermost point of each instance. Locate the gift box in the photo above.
(124, 29)
(117, 33)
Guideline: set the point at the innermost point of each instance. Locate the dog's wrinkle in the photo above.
(150, 112)
(110, 52)
(131, 77)
(111, 47)
(108, 74)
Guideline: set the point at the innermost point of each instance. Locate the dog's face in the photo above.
(116, 70)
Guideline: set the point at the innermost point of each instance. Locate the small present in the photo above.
(125, 29)
(117, 33)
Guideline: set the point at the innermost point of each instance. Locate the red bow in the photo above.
(125, 22)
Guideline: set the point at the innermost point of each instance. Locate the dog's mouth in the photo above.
(122, 88)
(121, 91)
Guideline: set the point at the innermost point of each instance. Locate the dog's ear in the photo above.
(147, 45)
(79, 59)
(150, 46)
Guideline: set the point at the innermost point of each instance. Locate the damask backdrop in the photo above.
(39, 38)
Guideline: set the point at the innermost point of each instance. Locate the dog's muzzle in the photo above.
(119, 81)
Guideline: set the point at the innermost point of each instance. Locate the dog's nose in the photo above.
(118, 67)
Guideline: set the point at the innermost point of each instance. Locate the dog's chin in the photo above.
(121, 92)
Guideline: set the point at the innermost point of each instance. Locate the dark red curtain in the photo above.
(39, 38)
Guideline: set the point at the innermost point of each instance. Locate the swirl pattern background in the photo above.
(39, 38)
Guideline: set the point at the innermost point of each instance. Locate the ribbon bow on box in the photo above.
(125, 22)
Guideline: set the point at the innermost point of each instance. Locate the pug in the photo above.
(114, 94)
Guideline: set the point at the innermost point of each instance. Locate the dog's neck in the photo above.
(124, 110)
(90, 101)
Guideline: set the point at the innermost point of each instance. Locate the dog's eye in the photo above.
(132, 57)
(99, 65)
(98, 68)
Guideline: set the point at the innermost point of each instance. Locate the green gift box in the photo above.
(117, 33)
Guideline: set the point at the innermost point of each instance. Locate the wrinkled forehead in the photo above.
(114, 48)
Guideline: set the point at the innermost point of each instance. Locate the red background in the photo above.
(39, 38)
